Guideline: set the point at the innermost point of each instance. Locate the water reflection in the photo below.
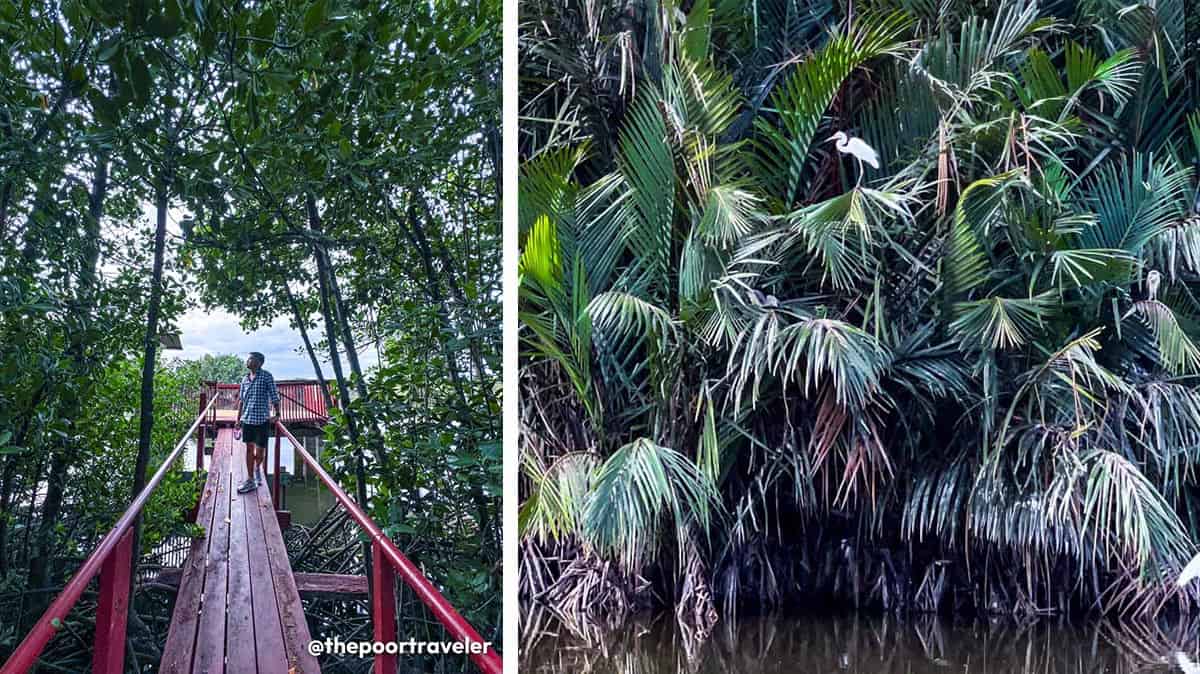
(308, 500)
(855, 645)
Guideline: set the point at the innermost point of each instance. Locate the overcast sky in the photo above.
(216, 332)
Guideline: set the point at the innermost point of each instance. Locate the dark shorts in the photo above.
(255, 433)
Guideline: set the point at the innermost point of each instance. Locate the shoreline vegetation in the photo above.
(854, 642)
(757, 374)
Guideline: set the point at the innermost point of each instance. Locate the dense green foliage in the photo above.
(757, 373)
(331, 164)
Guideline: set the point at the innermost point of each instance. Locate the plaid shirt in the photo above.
(255, 395)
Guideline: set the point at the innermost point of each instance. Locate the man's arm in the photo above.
(275, 397)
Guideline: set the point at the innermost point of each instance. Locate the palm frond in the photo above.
(624, 316)
(809, 351)
(800, 101)
(559, 496)
(965, 265)
(1135, 202)
(842, 232)
(999, 322)
(640, 492)
(1176, 350)
(1108, 500)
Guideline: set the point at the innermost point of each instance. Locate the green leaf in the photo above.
(697, 31)
(141, 79)
(264, 26)
(77, 73)
(164, 26)
(315, 16)
(801, 100)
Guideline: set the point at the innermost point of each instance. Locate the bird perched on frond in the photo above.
(1189, 573)
(857, 148)
(1152, 280)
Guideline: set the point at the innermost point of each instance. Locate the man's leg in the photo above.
(262, 463)
(250, 450)
(248, 485)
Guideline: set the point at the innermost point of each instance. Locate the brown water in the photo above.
(308, 500)
(856, 645)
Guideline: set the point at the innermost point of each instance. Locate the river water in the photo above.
(857, 645)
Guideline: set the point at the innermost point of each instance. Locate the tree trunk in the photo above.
(331, 337)
(343, 387)
(149, 354)
(10, 473)
(332, 291)
(35, 479)
(6, 486)
(433, 288)
(417, 237)
(32, 604)
(308, 347)
(38, 567)
(448, 271)
(360, 476)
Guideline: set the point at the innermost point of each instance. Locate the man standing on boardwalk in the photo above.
(257, 392)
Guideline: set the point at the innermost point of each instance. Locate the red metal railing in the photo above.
(387, 563)
(300, 401)
(113, 560)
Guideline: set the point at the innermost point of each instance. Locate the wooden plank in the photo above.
(330, 584)
(240, 655)
(268, 631)
(181, 636)
(315, 584)
(210, 635)
(291, 611)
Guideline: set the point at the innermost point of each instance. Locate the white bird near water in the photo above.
(857, 148)
(1189, 573)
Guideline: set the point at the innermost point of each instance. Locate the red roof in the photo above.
(300, 401)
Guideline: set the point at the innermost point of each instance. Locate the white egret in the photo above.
(1152, 281)
(1190, 572)
(857, 148)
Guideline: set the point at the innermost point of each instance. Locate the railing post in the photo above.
(200, 433)
(278, 447)
(108, 651)
(383, 606)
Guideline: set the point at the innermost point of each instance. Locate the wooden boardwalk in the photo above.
(238, 609)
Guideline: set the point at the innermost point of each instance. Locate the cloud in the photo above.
(218, 332)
